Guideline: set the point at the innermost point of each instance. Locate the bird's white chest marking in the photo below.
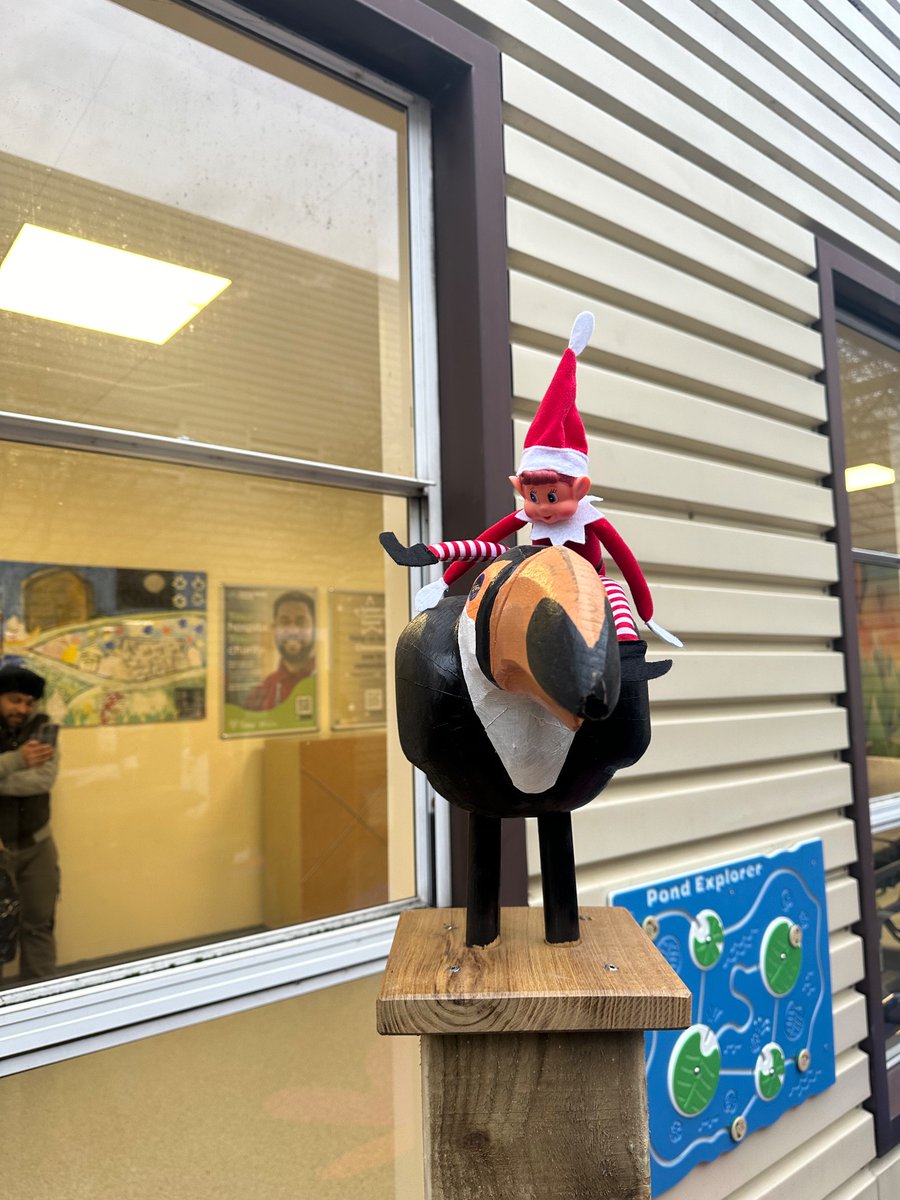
(531, 742)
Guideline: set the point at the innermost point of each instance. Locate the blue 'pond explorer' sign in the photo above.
(750, 940)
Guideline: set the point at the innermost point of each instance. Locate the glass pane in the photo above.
(870, 393)
(194, 147)
(154, 599)
(886, 852)
(303, 1093)
(878, 606)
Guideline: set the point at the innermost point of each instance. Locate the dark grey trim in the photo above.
(100, 439)
(848, 283)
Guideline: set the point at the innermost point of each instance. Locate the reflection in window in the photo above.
(191, 145)
(886, 854)
(870, 394)
(171, 830)
(214, 644)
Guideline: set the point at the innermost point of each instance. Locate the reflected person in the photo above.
(294, 631)
(28, 770)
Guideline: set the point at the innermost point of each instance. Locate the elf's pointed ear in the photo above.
(517, 484)
(581, 487)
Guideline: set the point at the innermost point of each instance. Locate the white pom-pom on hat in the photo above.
(582, 329)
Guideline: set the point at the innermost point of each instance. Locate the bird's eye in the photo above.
(533, 497)
(551, 496)
(476, 586)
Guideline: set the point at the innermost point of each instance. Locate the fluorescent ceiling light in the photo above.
(868, 475)
(68, 279)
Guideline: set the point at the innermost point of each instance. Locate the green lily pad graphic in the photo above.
(694, 1066)
(779, 960)
(707, 938)
(769, 1071)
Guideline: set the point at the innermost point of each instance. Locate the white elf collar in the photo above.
(570, 530)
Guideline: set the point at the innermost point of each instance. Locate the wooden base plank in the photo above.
(614, 978)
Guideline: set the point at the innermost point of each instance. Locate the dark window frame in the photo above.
(851, 283)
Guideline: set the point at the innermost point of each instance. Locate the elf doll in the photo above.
(553, 482)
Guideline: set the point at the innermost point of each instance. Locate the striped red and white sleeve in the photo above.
(494, 533)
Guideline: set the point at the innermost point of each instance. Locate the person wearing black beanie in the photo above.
(28, 769)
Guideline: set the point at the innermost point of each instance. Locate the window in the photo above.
(861, 311)
(170, 498)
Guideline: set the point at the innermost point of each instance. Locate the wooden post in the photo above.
(533, 1081)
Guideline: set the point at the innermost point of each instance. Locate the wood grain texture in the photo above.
(535, 1116)
(435, 984)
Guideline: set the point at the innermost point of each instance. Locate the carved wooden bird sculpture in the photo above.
(517, 701)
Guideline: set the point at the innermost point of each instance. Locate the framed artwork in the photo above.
(269, 675)
(116, 645)
(358, 659)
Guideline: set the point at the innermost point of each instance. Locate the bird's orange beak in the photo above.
(543, 628)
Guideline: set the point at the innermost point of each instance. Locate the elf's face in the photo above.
(551, 502)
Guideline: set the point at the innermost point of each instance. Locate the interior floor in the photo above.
(295, 1100)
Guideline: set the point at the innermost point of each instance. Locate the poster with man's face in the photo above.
(270, 660)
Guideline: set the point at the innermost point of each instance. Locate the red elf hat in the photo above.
(556, 440)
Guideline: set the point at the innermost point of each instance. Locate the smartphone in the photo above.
(47, 734)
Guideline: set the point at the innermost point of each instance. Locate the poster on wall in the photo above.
(116, 646)
(358, 660)
(270, 661)
(749, 938)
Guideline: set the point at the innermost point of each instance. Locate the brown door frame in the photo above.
(849, 282)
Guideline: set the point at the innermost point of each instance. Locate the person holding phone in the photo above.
(29, 762)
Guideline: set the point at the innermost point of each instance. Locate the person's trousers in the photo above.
(35, 870)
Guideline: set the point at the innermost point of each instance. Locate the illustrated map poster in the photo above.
(270, 661)
(116, 646)
(750, 940)
(358, 660)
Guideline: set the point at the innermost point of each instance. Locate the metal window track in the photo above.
(101, 439)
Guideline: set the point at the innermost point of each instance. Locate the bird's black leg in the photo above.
(483, 910)
(558, 877)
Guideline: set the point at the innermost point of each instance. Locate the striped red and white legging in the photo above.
(466, 551)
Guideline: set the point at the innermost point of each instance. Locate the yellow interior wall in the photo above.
(159, 826)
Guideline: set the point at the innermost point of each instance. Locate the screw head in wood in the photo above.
(610, 967)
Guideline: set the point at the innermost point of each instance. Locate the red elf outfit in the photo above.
(555, 448)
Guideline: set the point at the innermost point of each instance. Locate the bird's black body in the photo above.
(441, 733)
(554, 643)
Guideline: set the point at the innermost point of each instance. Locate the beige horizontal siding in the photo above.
(567, 253)
(715, 610)
(827, 41)
(724, 551)
(850, 1021)
(666, 166)
(715, 70)
(643, 815)
(596, 199)
(625, 340)
(620, 403)
(701, 486)
(861, 1187)
(565, 119)
(761, 55)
